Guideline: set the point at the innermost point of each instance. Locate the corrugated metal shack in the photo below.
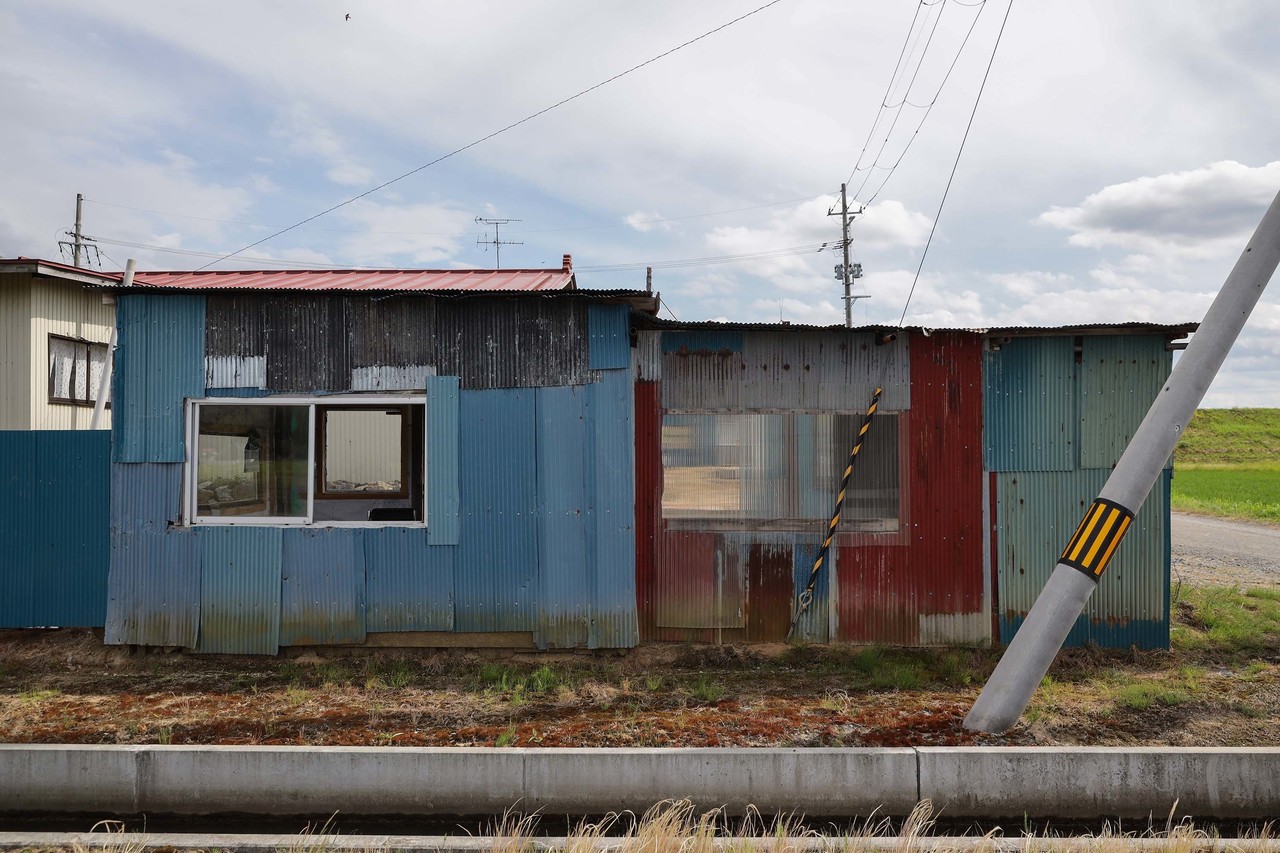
(986, 448)
(503, 406)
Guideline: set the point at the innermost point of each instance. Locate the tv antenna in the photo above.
(496, 242)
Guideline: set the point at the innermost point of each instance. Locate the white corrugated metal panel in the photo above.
(63, 308)
(647, 356)
(411, 377)
(235, 371)
(15, 352)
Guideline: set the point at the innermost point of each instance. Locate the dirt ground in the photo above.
(65, 686)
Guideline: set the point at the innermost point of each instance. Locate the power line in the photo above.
(511, 126)
(955, 165)
(254, 258)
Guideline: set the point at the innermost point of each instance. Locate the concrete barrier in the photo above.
(1134, 782)
(997, 782)
(408, 780)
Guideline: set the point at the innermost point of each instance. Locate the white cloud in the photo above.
(1197, 214)
(889, 224)
(644, 222)
(306, 134)
(392, 235)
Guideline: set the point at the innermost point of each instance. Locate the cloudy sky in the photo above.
(1120, 155)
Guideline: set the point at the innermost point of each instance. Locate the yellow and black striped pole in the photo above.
(806, 597)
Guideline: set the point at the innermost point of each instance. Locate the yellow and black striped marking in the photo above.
(1096, 539)
(806, 596)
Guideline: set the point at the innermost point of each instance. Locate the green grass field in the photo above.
(1228, 464)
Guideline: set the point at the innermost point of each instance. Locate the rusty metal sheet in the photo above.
(372, 280)
(648, 498)
(391, 332)
(306, 344)
(235, 326)
(769, 591)
(513, 343)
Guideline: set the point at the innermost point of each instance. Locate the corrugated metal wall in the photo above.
(530, 503)
(54, 496)
(16, 363)
(1060, 411)
(159, 362)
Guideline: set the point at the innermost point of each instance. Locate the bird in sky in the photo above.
(348, 16)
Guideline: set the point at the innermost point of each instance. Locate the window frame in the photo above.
(90, 401)
(882, 529)
(191, 407)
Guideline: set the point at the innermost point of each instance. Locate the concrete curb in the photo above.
(998, 782)
(111, 842)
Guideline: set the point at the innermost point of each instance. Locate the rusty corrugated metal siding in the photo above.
(1121, 378)
(240, 590)
(925, 586)
(408, 583)
(322, 589)
(54, 537)
(1037, 512)
(1031, 405)
(648, 498)
(159, 362)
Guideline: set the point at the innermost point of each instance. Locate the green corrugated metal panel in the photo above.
(159, 362)
(240, 590)
(1121, 377)
(1030, 405)
(444, 525)
(1036, 514)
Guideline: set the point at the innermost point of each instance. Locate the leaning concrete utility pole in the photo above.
(1080, 567)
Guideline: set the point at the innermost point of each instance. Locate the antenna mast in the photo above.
(496, 242)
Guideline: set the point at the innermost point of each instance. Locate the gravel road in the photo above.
(1214, 551)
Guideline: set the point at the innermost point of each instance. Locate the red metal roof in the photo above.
(349, 280)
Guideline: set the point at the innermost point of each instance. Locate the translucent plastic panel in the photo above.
(252, 461)
(779, 471)
(363, 452)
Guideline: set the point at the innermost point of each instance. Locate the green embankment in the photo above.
(1228, 463)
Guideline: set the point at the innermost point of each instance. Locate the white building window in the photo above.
(75, 370)
(332, 461)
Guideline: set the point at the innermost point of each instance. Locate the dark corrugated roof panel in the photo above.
(1176, 329)
(348, 280)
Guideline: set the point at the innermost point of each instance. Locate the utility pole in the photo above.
(495, 242)
(75, 251)
(1082, 563)
(847, 272)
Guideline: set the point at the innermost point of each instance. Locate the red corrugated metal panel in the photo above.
(648, 426)
(931, 591)
(481, 280)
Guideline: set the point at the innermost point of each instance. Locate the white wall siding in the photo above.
(15, 351)
(62, 308)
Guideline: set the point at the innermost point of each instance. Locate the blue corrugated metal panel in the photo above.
(566, 558)
(322, 587)
(409, 584)
(145, 496)
(240, 590)
(1122, 375)
(73, 538)
(443, 523)
(236, 392)
(495, 573)
(1036, 514)
(814, 626)
(54, 531)
(1143, 633)
(611, 486)
(153, 592)
(159, 362)
(707, 340)
(1030, 405)
(610, 336)
(17, 527)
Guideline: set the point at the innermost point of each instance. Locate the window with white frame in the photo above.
(296, 461)
(778, 471)
(75, 370)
